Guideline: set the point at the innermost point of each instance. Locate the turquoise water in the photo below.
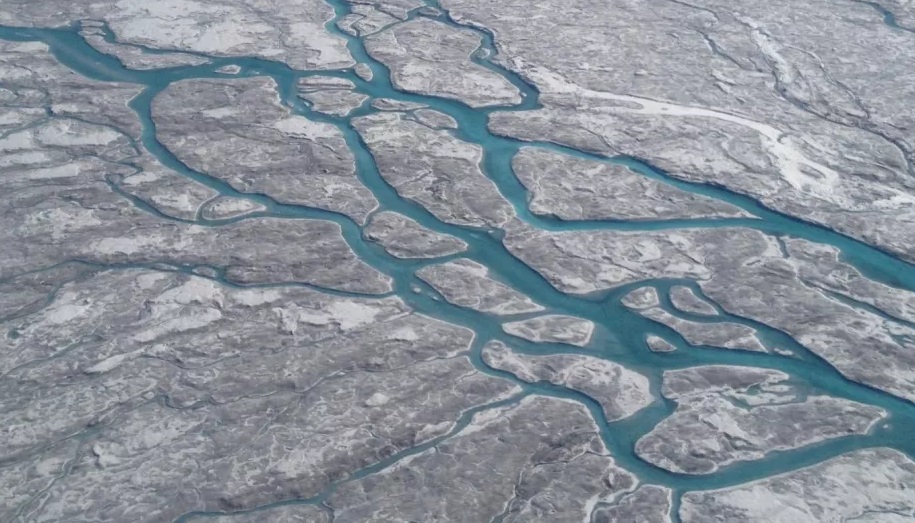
(889, 18)
(621, 333)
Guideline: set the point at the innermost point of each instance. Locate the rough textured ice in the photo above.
(658, 344)
(330, 95)
(647, 504)
(242, 279)
(405, 238)
(727, 414)
(552, 328)
(747, 274)
(466, 283)
(426, 56)
(684, 299)
(573, 188)
(290, 31)
(238, 131)
(718, 334)
(435, 169)
(620, 392)
(177, 377)
(865, 485)
(541, 460)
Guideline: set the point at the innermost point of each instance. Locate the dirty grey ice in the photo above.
(457, 260)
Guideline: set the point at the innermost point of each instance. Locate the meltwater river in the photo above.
(622, 332)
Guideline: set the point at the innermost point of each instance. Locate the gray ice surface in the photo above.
(620, 391)
(576, 189)
(750, 275)
(187, 346)
(237, 130)
(405, 238)
(753, 96)
(540, 460)
(553, 328)
(468, 284)
(435, 169)
(866, 485)
(727, 414)
(429, 57)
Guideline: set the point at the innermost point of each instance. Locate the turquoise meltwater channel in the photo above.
(621, 332)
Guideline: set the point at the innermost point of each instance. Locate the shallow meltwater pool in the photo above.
(621, 332)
